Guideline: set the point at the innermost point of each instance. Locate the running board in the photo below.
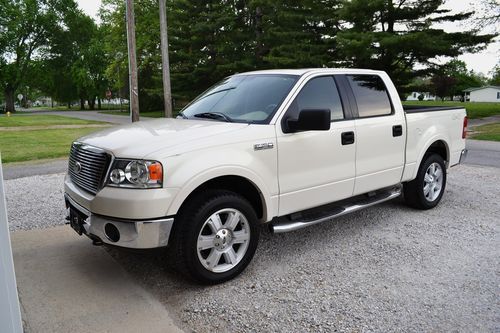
(286, 226)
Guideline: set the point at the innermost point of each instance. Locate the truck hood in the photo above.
(140, 139)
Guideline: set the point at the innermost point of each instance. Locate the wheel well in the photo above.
(236, 184)
(440, 148)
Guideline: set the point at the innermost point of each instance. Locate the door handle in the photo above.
(347, 138)
(397, 130)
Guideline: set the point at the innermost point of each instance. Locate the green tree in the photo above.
(464, 78)
(495, 80)
(72, 36)
(487, 16)
(452, 78)
(40, 42)
(88, 70)
(295, 34)
(210, 40)
(397, 35)
(25, 26)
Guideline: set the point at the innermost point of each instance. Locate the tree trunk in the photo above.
(99, 103)
(9, 100)
(82, 104)
(69, 105)
(91, 102)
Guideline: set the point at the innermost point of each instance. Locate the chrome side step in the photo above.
(280, 227)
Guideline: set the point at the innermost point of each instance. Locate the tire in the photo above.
(215, 236)
(426, 190)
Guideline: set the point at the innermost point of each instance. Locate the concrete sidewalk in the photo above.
(67, 285)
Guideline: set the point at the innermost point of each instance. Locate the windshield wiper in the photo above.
(182, 115)
(214, 115)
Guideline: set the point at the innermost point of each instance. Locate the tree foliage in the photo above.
(398, 35)
(487, 16)
(495, 80)
(25, 26)
(453, 78)
(53, 46)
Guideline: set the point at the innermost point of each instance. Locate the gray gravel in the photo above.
(35, 202)
(385, 269)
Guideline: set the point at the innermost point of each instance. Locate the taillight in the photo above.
(464, 129)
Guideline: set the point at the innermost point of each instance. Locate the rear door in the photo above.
(380, 134)
(316, 167)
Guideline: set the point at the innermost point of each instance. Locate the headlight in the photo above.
(136, 174)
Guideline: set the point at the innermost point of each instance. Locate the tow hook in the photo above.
(96, 241)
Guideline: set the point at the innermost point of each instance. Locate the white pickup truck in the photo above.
(287, 148)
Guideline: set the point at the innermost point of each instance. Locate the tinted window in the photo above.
(371, 95)
(318, 93)
(243, 98)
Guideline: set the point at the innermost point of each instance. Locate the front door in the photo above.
(316, 167)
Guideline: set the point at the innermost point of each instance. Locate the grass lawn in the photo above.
(17, 146)
(28, 144)
(42, 120)
(474, 109)
(489, 132)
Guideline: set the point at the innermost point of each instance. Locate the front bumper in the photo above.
(135, 234)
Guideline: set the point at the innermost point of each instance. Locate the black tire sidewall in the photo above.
(434, 158)
(196, 221)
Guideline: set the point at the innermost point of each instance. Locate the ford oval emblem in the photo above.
(77, 168)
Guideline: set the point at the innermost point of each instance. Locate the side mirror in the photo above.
(309, 120)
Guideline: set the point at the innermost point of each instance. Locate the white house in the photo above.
(483, 94)
(415, 94)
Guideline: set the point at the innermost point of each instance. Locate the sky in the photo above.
(482, 62)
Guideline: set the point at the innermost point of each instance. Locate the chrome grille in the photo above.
(87, 166)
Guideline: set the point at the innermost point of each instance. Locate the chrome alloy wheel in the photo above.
(433, 181)
(223, 240)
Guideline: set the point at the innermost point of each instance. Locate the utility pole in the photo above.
(132, 62)
(167, 95)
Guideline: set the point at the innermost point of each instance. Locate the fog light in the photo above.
(112, 233)
(117, 176)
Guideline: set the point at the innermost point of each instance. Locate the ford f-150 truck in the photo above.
(287, 148)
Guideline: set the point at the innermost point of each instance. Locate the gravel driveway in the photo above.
(388, 268)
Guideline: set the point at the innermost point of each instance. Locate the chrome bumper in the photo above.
(143, 234)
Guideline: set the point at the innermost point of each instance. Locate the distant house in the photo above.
(42, 101)
(483, 94)
(415, 94)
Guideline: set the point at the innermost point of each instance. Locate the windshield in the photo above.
(242, 98)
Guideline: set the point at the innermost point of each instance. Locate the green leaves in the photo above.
(211, 39)
(397, 36)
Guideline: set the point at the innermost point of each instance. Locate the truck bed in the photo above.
(419, 108)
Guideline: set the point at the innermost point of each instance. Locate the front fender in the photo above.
(270, 201)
